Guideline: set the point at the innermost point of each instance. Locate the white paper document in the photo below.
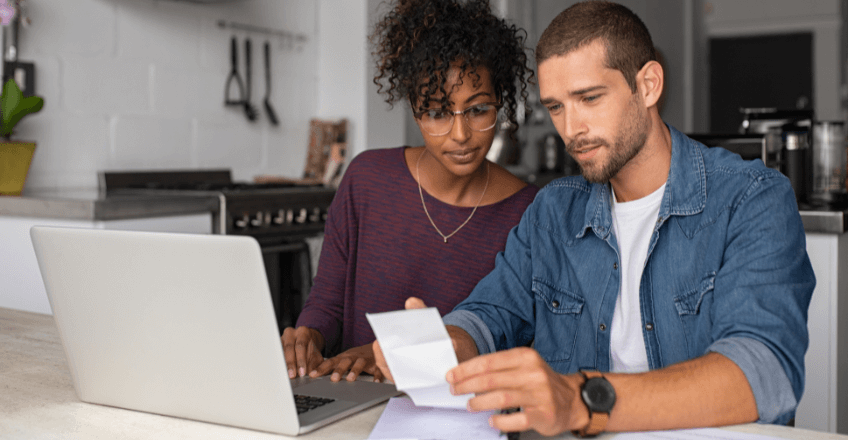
(403, 420)
(693, 434)
(419, 353)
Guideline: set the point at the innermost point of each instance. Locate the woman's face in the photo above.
(462, 150)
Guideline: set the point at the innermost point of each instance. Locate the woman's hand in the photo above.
(350, 364)
(302, 348)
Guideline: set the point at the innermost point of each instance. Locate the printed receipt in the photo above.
(419, 353)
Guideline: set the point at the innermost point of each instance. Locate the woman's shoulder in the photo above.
(372, 171)
(377, 165)
(378, 159)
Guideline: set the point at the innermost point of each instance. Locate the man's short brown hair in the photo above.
(626, 38)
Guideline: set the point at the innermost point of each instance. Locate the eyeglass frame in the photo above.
(453, 114)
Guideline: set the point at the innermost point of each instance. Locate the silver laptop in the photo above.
(181, 325)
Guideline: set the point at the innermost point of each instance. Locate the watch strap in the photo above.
(597, 420)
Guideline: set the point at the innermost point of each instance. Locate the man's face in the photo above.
(603, 123)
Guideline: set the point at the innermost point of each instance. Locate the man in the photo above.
(676, 270)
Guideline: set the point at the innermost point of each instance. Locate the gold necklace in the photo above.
(421, 193)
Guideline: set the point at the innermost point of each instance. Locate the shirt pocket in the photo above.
(557, 315)
(693, 309)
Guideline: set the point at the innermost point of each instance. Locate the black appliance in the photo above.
(749, 146)
(280, 216)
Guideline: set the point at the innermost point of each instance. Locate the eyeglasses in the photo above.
(439, 122)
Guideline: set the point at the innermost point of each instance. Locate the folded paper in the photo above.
(419, 353)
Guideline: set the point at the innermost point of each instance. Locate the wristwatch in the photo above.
(599, 397)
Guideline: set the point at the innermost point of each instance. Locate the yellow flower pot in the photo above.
(15, 158)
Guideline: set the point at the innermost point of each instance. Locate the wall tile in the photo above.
(70, 27)
(67, 146)
(237, 146)
(102, 86)
(141, 142)
(158, 34)
(140, 83)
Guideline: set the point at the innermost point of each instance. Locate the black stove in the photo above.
(261, 210)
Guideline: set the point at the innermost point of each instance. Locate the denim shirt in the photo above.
(727, 271)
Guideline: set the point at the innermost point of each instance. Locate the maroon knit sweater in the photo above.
(379, 249)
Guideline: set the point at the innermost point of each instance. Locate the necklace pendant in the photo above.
(446, 239)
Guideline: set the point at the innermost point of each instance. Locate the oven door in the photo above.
(289, 270)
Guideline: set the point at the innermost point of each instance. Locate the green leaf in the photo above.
(8, 102)
(14, 106)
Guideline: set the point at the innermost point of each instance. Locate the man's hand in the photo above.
(353, 362)
(302, 349)
(550, 402)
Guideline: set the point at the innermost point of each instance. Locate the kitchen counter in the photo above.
(38, 400)
(827, 222)
(90, 205)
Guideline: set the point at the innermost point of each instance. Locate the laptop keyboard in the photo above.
(306, 403)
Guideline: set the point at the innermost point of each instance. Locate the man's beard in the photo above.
(629, 141)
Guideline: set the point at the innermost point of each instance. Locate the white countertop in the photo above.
(37, 400)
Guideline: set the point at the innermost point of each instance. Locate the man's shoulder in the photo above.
(727, 171)
(732, 181)
(560, 206)
(718, 160)
(565, 188)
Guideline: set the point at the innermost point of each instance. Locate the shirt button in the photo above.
(615, 266)
(603, 327)
(555, 303)
(649, 326)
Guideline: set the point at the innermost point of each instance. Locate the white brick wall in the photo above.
(138, 84)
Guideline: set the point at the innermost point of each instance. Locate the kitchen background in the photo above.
(139, 84)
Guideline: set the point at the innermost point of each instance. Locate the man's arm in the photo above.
(707, 391)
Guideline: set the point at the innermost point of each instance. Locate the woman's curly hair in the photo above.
(418, 41)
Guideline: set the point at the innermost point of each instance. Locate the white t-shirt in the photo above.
(634, 223)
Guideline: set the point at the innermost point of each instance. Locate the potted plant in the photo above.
(15, 157)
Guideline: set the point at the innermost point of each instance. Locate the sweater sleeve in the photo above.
(324, 307)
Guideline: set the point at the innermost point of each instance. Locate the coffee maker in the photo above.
(788, 140)
(829, 165)
(773, 123)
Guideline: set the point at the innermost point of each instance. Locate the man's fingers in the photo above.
(414, 303)
(515, 358)
(505, 398)
(515, 422)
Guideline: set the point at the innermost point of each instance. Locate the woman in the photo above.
(424, 221)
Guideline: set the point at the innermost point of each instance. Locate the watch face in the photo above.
(598, 394)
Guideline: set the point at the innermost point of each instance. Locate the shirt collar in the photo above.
(685, 189)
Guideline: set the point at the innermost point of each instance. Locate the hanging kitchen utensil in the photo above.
(233, 77)
(249, 109)
(272, 115)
